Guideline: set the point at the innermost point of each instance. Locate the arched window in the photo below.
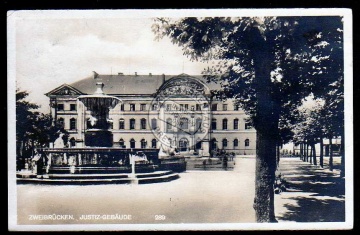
(122, 143)
(143, 123)
(184, 123)
(198, 123)
(72, 124)
(132, 143)
(236, 143)
(224, 143)
(236, 124)
(132, 124)
(247, 143)
(213, 144)
(168, 124)
(225, 122)
(153, 123)
(198, 144)
(153, 143)
(61, 122)
(143, 143)
(213, 124)
(72, 142)
(121, 124)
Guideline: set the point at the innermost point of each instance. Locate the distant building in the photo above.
(133, 121)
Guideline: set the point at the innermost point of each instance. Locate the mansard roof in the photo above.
(129, 84)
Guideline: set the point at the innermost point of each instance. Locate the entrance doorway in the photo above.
(183, 144)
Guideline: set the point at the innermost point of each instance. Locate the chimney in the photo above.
(150, 74)
(95, 75)
(99, 88)
(135, 73)
(163, 78)
(121, 74)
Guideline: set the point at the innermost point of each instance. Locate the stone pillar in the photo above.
(80, 124)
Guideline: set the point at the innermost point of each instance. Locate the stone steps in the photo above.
(86, 179)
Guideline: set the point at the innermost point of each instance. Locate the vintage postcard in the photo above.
(237, 119)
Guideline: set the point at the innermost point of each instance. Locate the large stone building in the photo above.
(179, 107)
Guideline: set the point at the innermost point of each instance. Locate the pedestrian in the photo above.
(225, 161)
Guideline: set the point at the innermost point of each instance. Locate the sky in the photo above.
(51, 51)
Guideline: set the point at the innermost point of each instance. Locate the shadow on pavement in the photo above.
(315, 210)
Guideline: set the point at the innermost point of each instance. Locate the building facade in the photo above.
(179, 108)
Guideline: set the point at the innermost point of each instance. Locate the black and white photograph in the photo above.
(218, 119)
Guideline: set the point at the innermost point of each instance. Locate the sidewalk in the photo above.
(313, 194)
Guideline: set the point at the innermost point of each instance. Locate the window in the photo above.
(198, 144)
(184, 123)
(248, 125)
(132, 143)
(186, 106)
(154, 107)
(143, 143)
(181, 107)
(132, 124)
(122, 107)
(168, 124)
(122, 143)
(60, 107)
(168, 107)
(142, 107)
(236, 124)
(198, 123)
(192, 108)
(225, 122)
(72, 107)
(153, 143)
(121, 124)
(88, 123)
(225, 107)
(72, 124)
(247, 143)
(198, 107)
(213, 124)
(132, 107)
(224, 143)
(153, 123)
(143, 123)
(214, 107)
(236, 143)
(61, 122)
(213, 144)
(72, 142)
(236, 107)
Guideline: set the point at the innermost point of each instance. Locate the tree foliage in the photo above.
(268, 65)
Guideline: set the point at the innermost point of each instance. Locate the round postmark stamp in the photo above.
(179, 115)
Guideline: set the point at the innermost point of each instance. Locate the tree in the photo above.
(33, 129)
(268, 65)
(24, 120)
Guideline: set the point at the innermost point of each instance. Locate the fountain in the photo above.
(99, 161)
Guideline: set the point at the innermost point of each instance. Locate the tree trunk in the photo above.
(301, 152)
(321, 152)
(314, 155)
(277, 155)
(330, 155)
(311, 152)
(265, 176)
(342, 152)
(307, 151)
(266, 123)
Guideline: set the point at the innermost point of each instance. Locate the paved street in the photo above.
(314, 194)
